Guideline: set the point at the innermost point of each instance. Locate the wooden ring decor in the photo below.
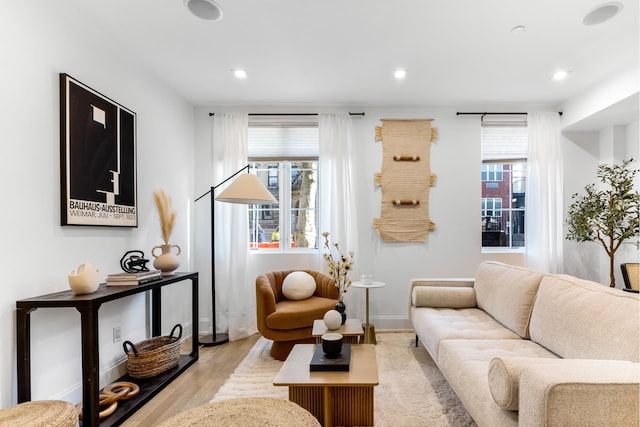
(123, 387)
(111, 394)
(109, 397)
(111, 407)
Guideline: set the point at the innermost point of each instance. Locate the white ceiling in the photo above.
(343, 52)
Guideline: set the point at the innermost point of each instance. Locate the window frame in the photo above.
(512, 218)
(493, 209)
(491, 173)
(285, 165)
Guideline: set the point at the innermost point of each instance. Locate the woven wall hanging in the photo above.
(405, 179)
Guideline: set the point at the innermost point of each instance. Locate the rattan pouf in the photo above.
(41, 413)
(245, 412)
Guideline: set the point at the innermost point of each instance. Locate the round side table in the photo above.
(369, 330)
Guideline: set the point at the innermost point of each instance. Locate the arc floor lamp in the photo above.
(246, 189)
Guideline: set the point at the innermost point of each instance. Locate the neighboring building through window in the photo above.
(491, 172)
(491, 207)
(504, 165)
(286, 158)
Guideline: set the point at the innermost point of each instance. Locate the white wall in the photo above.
(39, 40)
(600, 143)
(454, 249)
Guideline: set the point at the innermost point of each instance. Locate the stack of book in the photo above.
(130, 279)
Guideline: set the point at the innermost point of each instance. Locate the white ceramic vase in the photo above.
(85, 280)
(167, 261)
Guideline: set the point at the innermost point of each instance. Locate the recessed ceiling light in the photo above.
(204, 9)
(560, 75)
(602, 13)
(239, 73)
(400, 74)
(520, 29)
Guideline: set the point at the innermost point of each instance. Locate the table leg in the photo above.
(328, 407)
(90, 362)
(23, 353)
(367, 305)
(156, 312)
(194, 317)
(369, 330)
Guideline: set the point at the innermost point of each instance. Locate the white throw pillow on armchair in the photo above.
(298, 285)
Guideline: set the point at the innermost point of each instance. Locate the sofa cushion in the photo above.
(437, 296)
(299, 314)
(433, 325)
(580, 319)
(507, 293)
(465, 364)
(504, 378)
(298, 285)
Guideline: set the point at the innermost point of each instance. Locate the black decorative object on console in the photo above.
(134, 263)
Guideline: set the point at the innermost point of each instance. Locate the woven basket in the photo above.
(153, 356)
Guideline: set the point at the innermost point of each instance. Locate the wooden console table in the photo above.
(88, 306)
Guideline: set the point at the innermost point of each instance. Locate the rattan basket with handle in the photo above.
(153, 356)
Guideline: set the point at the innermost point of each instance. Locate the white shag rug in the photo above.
(412, 391)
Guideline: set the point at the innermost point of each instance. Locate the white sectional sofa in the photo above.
(525, 348)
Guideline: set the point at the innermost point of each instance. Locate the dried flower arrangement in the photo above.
(167, 216)
(339, 267)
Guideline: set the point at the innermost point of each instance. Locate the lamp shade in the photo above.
(247, 189)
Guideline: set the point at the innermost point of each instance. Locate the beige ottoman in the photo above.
(41, 413)
(245, 412)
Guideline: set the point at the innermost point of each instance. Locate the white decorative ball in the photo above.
(298, 285)
(332, 319)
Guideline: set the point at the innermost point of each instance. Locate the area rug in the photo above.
(412, 390)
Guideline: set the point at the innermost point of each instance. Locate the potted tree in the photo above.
(609, 214)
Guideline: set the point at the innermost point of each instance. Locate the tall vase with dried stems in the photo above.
(167, 261)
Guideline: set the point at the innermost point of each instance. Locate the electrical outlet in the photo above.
(116, 334)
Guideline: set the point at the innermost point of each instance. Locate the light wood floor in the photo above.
(197, 385)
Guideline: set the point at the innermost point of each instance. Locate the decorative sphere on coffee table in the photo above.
(332, 320)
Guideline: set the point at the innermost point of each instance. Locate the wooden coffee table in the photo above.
(352, 330)
(334, 398)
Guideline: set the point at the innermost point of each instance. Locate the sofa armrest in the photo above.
(265, 301)
(580, 392)
(446, 293)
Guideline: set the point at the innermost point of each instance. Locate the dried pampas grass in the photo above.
(167, 216)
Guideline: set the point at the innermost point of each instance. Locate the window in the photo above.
(491, 172)
(273, 177)
(504, 165)
(286, 158)
(491, 207)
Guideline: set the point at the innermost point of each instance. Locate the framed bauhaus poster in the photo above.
(97, 158)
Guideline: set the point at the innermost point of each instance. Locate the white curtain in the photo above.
(235, 293)
(544, 205)
(338, 213)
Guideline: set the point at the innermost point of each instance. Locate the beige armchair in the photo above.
(290, 322)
